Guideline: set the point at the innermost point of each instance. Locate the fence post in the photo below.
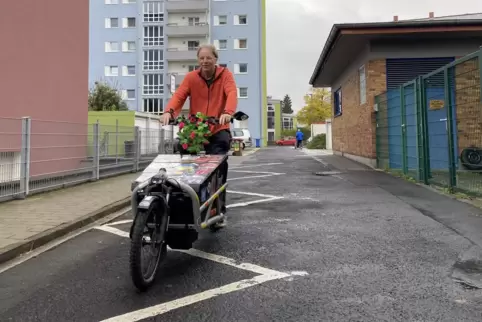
(116, 141)
(422, 105)
(96, 151)
(377, 131)
(25, 157)
(137, 148)
(404, 130)
(450, 131)
(162, 149)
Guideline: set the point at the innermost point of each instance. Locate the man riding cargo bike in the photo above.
(177, 195)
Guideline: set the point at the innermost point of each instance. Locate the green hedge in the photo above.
(318, 142)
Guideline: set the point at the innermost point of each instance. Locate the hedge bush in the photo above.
(318, 142)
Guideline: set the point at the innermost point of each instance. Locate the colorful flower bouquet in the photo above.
(193, 132)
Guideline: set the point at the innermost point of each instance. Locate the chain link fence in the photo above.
(40, 155)
(430, 129)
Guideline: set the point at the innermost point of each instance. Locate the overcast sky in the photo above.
(297, 31)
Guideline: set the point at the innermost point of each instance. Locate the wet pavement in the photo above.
(351, 245)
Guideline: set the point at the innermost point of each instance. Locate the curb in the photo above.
(10, 252)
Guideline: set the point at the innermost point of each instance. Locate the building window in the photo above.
(223, 65)
(240, 43)
(152, 105)
(129, 22)
(153, 36)
(111, 46)
(363, 85)
(271, 136)
(220, 20)
(131, 94)
(111, 71)
(241, 20)
(270, 107)
(192, 67)
(242, 92)
(193, 21)
(129, 70)
(112, 22)
(337, 109)
(111, 2)
(128, 46)
(287, 123)
(153, 11)
(240, 68)
(193, 45)
(153, 59)
(221, 44)
(153, 84)
(129, 1)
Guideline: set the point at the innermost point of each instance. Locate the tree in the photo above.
(103, 97)
(287, 105)
(317, 107)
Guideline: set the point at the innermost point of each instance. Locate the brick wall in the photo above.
(467, 104)
(354, 131)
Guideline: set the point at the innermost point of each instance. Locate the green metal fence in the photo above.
(430, 129)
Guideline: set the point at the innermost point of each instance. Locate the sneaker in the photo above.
(222, 223)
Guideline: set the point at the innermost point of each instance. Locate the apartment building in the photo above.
(141, 46)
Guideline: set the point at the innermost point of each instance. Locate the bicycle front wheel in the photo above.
(148, 246)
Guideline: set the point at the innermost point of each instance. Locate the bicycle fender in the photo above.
(147, 202)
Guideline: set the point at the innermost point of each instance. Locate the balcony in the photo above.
(184, 30)
(186, 6)
(179, 78)
(181, 54)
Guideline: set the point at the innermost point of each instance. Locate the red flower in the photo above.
(193, 135)
(185, 146)
(206, 135)
(181, 125)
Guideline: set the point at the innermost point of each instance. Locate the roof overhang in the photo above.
(346, 41)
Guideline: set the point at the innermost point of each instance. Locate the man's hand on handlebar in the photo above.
(224, 119)
(165, 118)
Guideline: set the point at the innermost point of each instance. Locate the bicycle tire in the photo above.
(135, 257)
(214, 228)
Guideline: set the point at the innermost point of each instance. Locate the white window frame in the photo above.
(127, 94)
(129, 1)
(217, 22)
(153, 11)
(237, 68)
(149, 86)
(108, 22)
(217, 44)
(236, 44)
(239, 92)
(111, 70)
(111, 1)
(196, 21)
(159, 101)
(236, 21)
(125, 22)
(108, 46)
(125, 70)
(362, 84)
(148, 36)
(125, 46)
(149, 63)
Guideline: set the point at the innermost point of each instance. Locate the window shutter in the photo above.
(107, 46)
(236, 68)
(106, 70)
(124, 71)
(107, 22)
(216, 20)
(125, 46)
(236, 20)
(124, 22)
(236, 43)
(216, 44)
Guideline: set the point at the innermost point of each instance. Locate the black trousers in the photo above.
(220, 143)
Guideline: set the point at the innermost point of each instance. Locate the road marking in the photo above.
(320, 161)
(113, 230)
(259, 172)
(253, 194)
(244, 204)
(191, 299)
(254, 165)
(120, 222)
(251, 177)
(42, 249)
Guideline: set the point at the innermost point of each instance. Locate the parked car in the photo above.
(287, 141)
(245, 135)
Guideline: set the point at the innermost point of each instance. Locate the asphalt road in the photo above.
(374, 248)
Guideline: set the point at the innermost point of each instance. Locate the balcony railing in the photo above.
(196, 29)
(182, 54)
(186, 5)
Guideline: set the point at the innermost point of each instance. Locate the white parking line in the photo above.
(259, 172)
(254, 165)
(251, 177)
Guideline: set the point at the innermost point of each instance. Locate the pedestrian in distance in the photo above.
(299, 139)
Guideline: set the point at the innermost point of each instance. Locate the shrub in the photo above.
(318, 142)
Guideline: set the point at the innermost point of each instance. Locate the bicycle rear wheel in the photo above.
(149, 229)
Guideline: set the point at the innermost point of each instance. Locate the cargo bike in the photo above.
(172, 200)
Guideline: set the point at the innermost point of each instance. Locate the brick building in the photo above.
(360, 61)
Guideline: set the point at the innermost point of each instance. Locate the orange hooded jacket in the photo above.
(220, 97)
